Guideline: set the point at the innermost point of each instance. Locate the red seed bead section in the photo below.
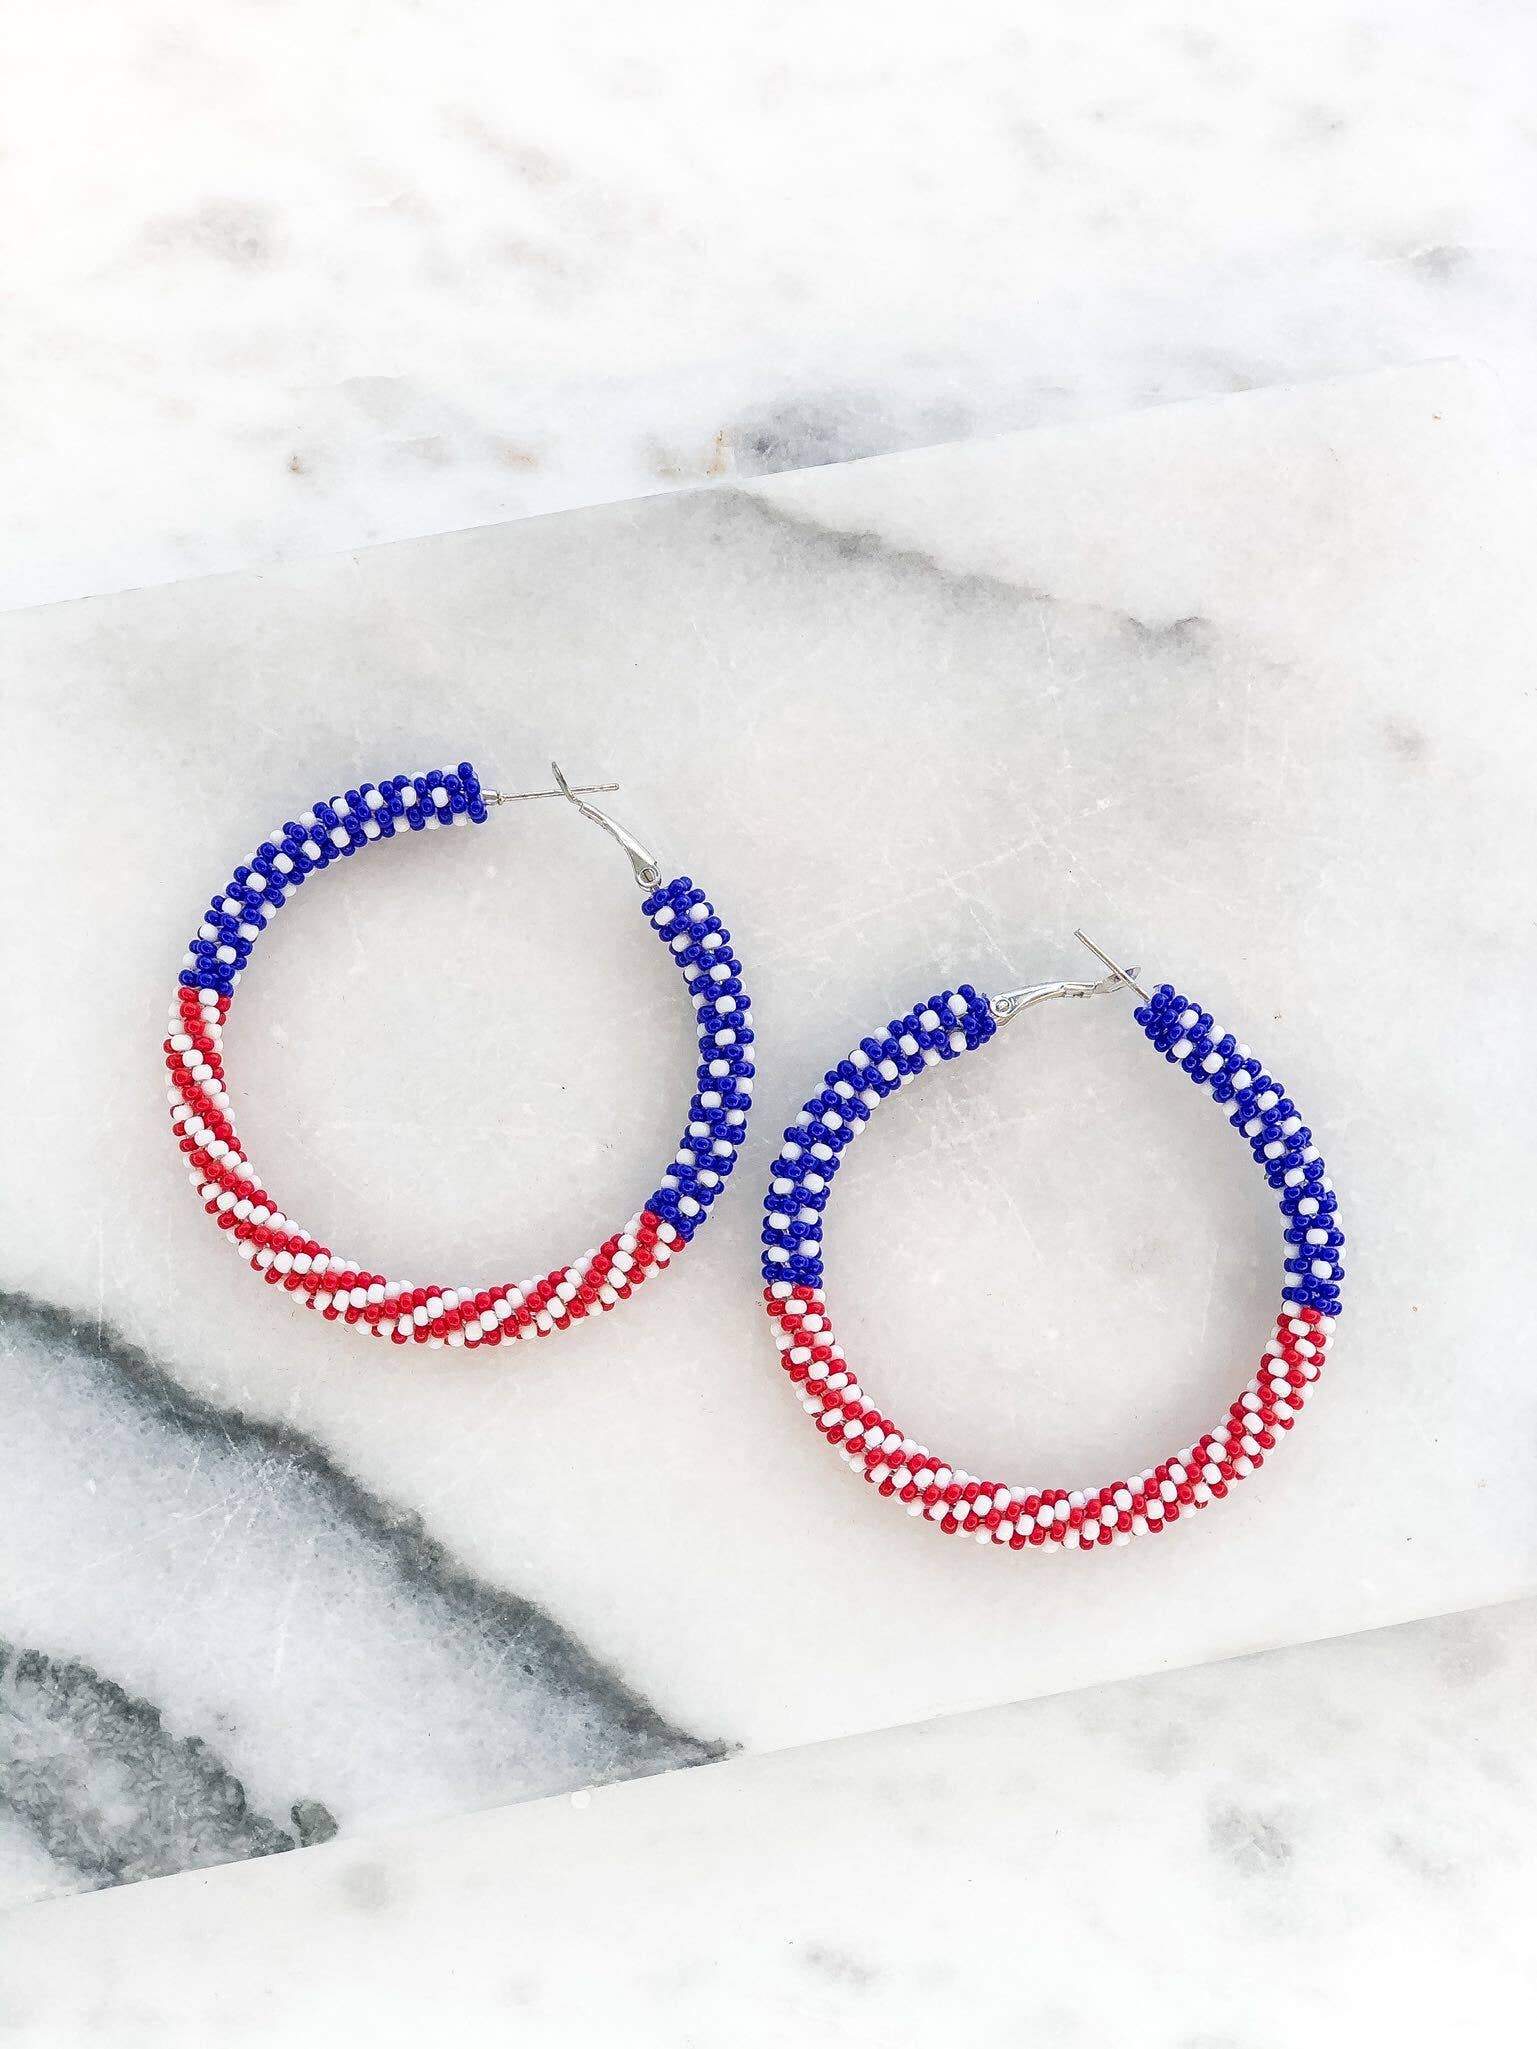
(287, 1258)
(1045, 1517)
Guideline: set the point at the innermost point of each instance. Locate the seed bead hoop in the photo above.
(303, 1266)
(944, 1027)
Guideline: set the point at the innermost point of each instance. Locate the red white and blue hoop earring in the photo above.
(942, 1028)
(288, 1257)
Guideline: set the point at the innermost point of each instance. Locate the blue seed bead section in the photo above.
(958, 1021)
(689, 927)
(1260, 1109)
(954, 1022)
(334, 830)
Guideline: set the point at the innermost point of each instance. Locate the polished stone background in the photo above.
(286, 280)
(1126, 675)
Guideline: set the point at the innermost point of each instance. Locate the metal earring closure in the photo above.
(648, 872)
(1015, 1000)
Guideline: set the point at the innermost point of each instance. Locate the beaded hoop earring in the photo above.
(942, 1028)
(288, 1257)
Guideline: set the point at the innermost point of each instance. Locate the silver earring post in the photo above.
(1118, 973)
(648, 871)
(1015, 1000)
(526, 796)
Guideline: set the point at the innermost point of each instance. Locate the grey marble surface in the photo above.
(279, 284)
(1326, 1845)
(274, 1547)
(1182, 677)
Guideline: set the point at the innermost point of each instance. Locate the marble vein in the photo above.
(431, 1682)
(107, 1791)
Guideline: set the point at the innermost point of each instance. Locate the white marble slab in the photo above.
(275, 287)
(1242, 686)
(1330, 1845)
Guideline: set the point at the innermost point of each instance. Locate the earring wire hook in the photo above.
(647, 869)
(1015, 1000)
(1126, 975)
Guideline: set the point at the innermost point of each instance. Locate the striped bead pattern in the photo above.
(281, 1251)
(1029, 1517)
